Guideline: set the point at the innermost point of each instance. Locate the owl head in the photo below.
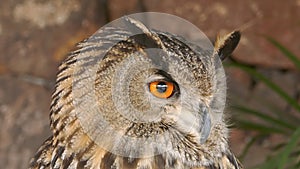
(141, 92)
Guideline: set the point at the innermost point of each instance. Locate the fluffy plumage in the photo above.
(188, 127)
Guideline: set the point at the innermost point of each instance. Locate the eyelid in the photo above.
(154, 78)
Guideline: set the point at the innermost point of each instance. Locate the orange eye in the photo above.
(161, 89)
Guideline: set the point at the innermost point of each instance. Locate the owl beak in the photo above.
(205, 125)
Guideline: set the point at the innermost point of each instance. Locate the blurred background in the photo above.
(263, 73)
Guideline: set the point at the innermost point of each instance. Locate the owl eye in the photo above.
(161, 89)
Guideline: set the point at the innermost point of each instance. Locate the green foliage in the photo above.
(287, 154)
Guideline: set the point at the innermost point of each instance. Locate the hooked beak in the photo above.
(205, 125)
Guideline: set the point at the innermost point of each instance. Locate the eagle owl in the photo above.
(149, 100)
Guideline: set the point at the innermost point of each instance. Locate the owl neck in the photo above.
(184, 154)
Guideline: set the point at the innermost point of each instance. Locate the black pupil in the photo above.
(161, 87)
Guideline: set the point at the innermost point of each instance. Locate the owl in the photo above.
(149, 100)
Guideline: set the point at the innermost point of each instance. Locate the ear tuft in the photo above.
(225, 45)
(144, 30)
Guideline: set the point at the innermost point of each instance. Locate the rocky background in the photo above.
(36, 35)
